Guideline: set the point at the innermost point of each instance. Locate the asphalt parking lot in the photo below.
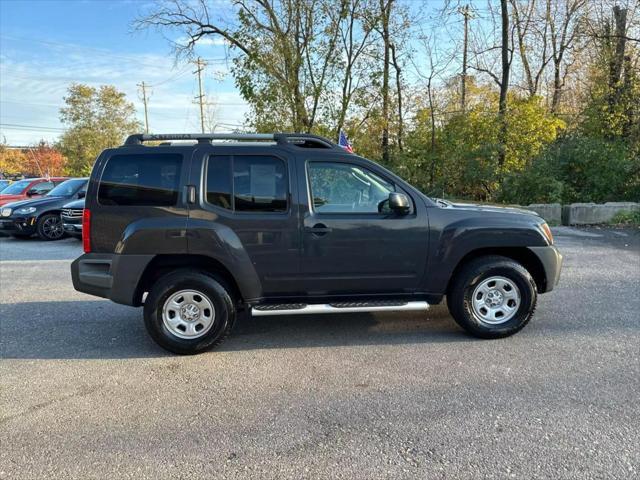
(85, 393)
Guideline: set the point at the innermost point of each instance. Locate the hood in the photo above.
(476, 207)
(37, 202)
(76, 204)
(9, 198)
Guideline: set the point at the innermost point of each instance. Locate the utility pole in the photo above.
(144, 100)
(463, 87)
(200, 64)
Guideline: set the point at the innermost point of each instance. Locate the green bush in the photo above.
(626, 217)
(577, 169)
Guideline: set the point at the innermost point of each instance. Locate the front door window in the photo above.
(347, 188)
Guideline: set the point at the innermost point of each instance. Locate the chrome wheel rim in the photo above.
(52, 228)
(188, 314)
(496, 300)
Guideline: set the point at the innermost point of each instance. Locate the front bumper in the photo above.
(551, 261)
(18, 225)
(111, 276)
(73, 228)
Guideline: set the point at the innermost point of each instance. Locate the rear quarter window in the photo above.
(145, 179)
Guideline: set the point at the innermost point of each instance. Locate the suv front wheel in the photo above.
(492, 297)
(188, 312)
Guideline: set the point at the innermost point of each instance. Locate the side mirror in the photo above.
(31, 192)
(399, 203)
(82, 194)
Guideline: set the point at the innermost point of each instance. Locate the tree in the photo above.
(97, 118)
(12, 160)
(357, 44)
(284, 51)
(563, 17)
(44, 160)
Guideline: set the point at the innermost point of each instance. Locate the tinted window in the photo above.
(147, 179)
(259, 184)
(68, 188)
(42, 187)
(16, 188)
(346, 188)
(219, 181)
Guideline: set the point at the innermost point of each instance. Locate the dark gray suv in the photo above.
(282, 224)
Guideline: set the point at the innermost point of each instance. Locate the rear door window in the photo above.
(151, 179)
(259, 184)
(247, 183)
(43, 187)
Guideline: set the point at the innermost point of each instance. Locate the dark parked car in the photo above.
(29, 188)
(41, 215)
(71, 216)
(283, 224)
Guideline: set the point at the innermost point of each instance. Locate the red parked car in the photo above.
(29, 188)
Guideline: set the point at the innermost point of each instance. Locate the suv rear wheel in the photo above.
(188, 312)
(492, 297)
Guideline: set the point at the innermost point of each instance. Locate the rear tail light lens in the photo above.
(86, 230)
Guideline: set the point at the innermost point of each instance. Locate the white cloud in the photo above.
(32, 88)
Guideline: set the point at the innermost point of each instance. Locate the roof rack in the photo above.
(300, 139)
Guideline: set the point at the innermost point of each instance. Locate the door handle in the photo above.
(190, 194)
(319, 229)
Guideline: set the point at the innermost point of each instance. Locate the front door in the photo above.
(351, 242)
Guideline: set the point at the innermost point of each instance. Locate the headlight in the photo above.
(26, 210)
(5, 212)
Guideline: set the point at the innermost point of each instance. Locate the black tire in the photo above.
(212, 288)
(460, 301)
(49, 227)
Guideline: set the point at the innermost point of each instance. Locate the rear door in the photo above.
(136, 198)
(249, 191)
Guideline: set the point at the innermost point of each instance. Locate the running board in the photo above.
(338, 307)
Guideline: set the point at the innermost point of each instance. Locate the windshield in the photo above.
(67, 188)
(3, 184)
(16, 188)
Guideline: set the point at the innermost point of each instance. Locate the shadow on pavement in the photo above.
(100, 329)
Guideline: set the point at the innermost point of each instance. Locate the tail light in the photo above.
(86, 230)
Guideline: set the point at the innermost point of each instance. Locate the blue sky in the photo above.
(45, 45)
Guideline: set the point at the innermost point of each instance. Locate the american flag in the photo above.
(343, 141)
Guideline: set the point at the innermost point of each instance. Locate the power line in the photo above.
(18, 126)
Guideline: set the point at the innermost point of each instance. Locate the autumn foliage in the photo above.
(41, 160)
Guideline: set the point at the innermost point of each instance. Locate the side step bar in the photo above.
(342, 307)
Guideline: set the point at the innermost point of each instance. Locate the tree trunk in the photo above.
(432, 117)
(385, 10)
(504, 87)
(396, 66)
(531, 86)
(617, 60)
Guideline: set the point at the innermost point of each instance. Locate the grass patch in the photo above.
(626, 217)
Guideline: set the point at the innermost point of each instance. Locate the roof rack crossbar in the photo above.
(281, 138)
